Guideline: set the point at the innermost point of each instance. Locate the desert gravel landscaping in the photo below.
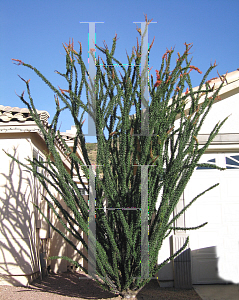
(66, 286)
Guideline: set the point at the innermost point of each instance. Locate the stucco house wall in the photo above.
(26, 240)
(18, 238)
(214, 249)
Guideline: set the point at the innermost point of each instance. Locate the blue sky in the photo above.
(33, 31)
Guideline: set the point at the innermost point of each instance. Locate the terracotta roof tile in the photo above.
(8, 113)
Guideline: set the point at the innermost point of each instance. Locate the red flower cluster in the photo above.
(169, 77)
(179, 57)
(217, 98)
(19, 61)
(165, 56)
(188, 46)
(211, 79)
(63, 91)
(152, 43)
(80, 47)
(70, 47)
(103, 64)
(183, 74)
(115, 38)
(158, 82)
(194, 68)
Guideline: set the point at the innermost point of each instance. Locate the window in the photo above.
(232, 162)
(210, 162)
(38, 187)
(82, 191)
(38, 157)
(39, 193)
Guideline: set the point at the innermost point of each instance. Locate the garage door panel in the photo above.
(232, 231)
(211, 274)
(204, 240)
(204, 212)
(205, 259)
(231, 213)
(228, 253)
(220, 208)
(232, 186)
(199, 183)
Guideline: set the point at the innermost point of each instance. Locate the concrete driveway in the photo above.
(218, 292)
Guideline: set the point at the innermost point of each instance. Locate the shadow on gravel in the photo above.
(68, 284)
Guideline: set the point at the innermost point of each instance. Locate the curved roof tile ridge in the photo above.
(8, 113)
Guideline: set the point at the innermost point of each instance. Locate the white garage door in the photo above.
(215, 247)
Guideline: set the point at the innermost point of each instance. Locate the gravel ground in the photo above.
(66, 286)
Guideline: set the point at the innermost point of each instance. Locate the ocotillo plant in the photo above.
(171, 148)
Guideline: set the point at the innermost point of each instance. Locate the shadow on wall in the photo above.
(201, 266)
(206, 267)
(19, 263)
(25, 240)
(59, 247)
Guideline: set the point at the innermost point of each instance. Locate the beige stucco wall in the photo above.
(58, 246)
(22, 228)
(228, 106)
(18, 241)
